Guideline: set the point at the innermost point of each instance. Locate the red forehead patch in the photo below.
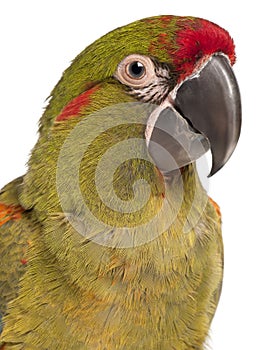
(198, 39)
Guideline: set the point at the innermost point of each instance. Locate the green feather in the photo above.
(75, 293)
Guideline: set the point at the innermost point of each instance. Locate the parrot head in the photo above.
(181, 63)
(182, 66)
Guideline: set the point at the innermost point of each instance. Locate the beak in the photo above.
(203, 112)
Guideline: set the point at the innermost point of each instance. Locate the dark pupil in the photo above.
(136, 69)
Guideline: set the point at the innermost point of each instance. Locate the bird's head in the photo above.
(181, 66)
(181, 63)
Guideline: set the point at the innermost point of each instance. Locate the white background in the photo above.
(40, 38)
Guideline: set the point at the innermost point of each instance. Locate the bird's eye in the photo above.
(136, 71)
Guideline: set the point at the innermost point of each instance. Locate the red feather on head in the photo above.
(198, 41)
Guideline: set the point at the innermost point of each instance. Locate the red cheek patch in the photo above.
(75, 106)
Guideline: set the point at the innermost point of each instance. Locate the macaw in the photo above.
(123, 250)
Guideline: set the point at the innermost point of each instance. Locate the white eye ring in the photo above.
(136, 71)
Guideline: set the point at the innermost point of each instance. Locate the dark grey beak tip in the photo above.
(214, 170)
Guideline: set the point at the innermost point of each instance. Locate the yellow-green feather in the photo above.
(76, 294)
